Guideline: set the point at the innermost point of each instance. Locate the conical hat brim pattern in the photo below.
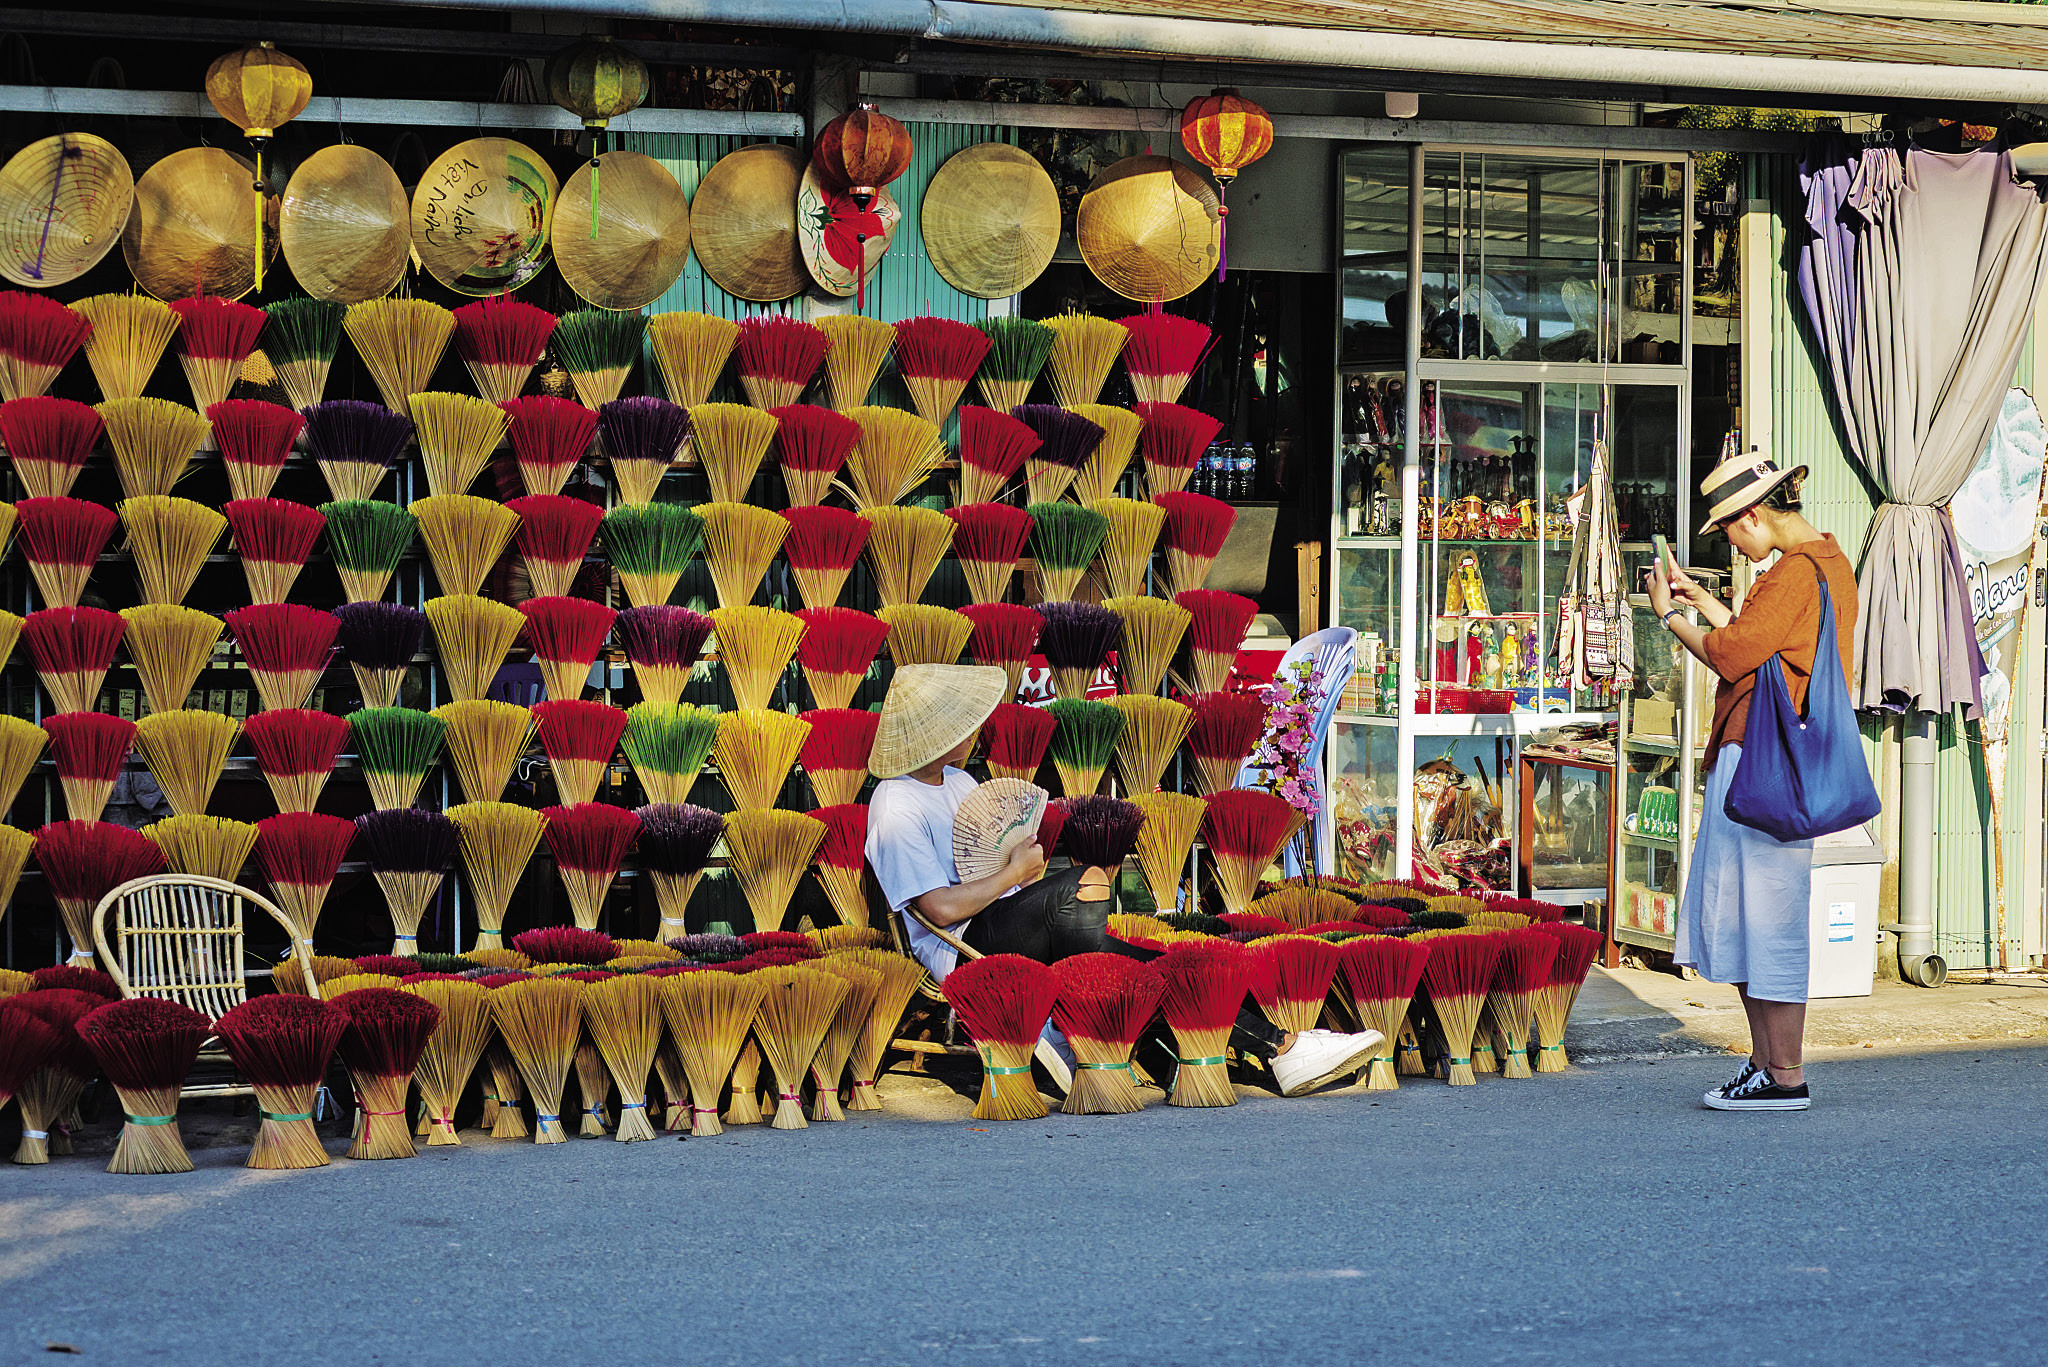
(63, 203)
(991, 220)
(193, 229)
(743, 223)
(345, 225)
(643, 232)
(1147, 228)
(480, 216)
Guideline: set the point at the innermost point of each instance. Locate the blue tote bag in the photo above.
(1802, 777)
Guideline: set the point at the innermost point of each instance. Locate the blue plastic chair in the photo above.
(519, 684)
(1333, 656)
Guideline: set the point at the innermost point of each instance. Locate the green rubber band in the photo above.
(281, 1117)
(1197, 1062)
(1104, 1067)
(1553, 1049)
(1456, 1061)
(994, 1071)
(150, 1119)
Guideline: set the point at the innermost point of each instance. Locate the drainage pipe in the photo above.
(1918, 963)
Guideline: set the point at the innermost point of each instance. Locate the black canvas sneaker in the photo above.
(1760, 1093)
(1728, 1088)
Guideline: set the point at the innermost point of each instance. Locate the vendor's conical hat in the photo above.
(480, 216)
(991, 220)
(643, 232)
(1147, 228)
(63, 202)
(345, 225)
(194, 226)
(743, 222)
(828, 230)
(928, 710)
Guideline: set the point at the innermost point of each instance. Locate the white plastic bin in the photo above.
(1843, 914)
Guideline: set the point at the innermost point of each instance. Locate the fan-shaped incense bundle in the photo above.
(731, 440)
(756, 752)
(863, 986)
(1226, 731)
(1382, 973)
(709, 1014)
(169, 540)
(920, 634)
(85, 860)
(61, 539)
(273, 537)
(10, 632)
(1173, 441)
(1302, 907)
(936, 358)
(740, 542)
(623, 1015)
(387, 1033)
(988, 538)
(835, 754)
(1153, 730)
(500, 340)
(589, 840)
(1064, 539)
(768, 852)
(457, 433)
(397, 746)
(254, 439)
(836, 650)
(1100, 832)
(795, 1015)
(555, 534)
(1152, 634)
(1084, 350)
(1218, 624)
(89, 749)
(1004, 1000)
(901, 976)
(650, 546)
(540, 1019)
(47, 1064)
(1206, 981)
(663, 644)
(485, 739)
(579, 739)
(1016, 737)
(21, 745)
(286, 647)
(675, 844)
(1459, 970)
(290, 973)
(367, 539)
(1112, 455)
(598, 348)
(497, 840)
(1163, 351)
(691, 349)
(300, 337)
(895, 453)
(1066, 441)
(756, 645)
(1127, 547)
(401, 342)
(152, 440)
(379, 640)
(1244, 830)
(859, 346)
(296, 751)
(566, 635)
(1171, 823)
(1298, 971)
(842, 860)
(209, 846)
(38, 336)
(472, 635)
(354, 443)
(1005, 634)
(822, 544)
(145, 1047)
(549, 437)
(281, 1044)
(215, 336)
(300, 853)
(1018, 350)
(904, 546)
(452, 1051)
(565, 945)
(408, 850)
(1083, 742)
(72, 648)
(48, 439)
(1105, 1001)
(1578, 948)
(667, 744)
(128, 337)
(1077, 641)
(642, 438)
(993, 448)
(812, 445)
(1527, 960)
(777, 357)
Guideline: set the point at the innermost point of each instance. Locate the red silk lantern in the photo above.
(856, 155)
(1226, 133)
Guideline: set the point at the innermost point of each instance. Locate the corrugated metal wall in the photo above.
(1805, 430)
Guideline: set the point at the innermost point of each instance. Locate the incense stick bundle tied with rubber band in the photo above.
(756, 646)
(485, 739)
(169, 646)
(500, 340)
(497, 840)
(540, 1020)
(1217, 624)
(153, 441)
(1172, 821)
(1163, 351)
(1226, 731)
(936, 357)
(549, 438)
(273, 537)
(579, 738)
(1018, 351)
(667, 744)
(129, 335)
(472, 635)
(387, 1033)
(1460, 969)
(1004, 1000)
(300, 852)
(401, 341)
(988, 539)
(1244, 830)
(1133, 531)
(691, 349)
(61, 539)
(409, 852)
(768, 852)
(567, 635)
(286, 647)
(863, 986)
(254, 439)
(650, 546)
(354, 442)
(554, 537)
(396, 746)
(901, 976)
(1084, 350)
(379, 641)
(367, 540)
(281, 1044)
(38, 336)
(709, 1015)
(1172, 443)
(1578, 949)
(1077, 642)
(740, 542)
(777, 357)
(1065, 442)
(300, 339)
(1527, 961)
(1299, 971)
(456, 433)
(1206, 981)
(676, 840)
(663, 644)
(1382, 974)
(589, 841)
(1064, 540)
(842, 860)
(215, 336)
(52, 1068)
(796, 1012)
(48, 440)
(835, 752)
(731, 440)
(920, 634)
(296, 750)
(452, 1051)
(836, 651)
(1098, 479)
(896, 451)
(993, 448)
(822, 545)
(465, 535)
(859, 347)
(624, 1017)
(145, 1047)
(1015, 737)
(1105, 1002)
(1005, 635)
(1152, 733)
(1083, 742)
(72, 649)
(641, 438)
(168, 540)
(812, 445)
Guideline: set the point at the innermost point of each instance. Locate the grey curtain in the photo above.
(1920, 278)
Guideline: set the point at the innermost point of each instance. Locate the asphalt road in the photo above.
(1597, 1217)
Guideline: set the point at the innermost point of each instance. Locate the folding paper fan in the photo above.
(996, 818)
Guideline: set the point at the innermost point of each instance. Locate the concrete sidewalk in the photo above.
(1635, 1013)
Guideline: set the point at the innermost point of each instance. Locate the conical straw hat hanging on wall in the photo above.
(191, 231)
(1147, 228)
(345, 226)
(63, 201)
(259, 90)
(842, 243)
(991, 220)
(480, 216)
(643, 237)
(743, 222)
(597, 81)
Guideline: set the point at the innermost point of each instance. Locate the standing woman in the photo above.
(1744, 916)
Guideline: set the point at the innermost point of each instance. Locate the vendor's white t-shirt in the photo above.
(910, 848)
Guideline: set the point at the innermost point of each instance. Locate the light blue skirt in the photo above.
(1744, 917)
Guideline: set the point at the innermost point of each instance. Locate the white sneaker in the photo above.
(1320, 1057)
(1056, 1056)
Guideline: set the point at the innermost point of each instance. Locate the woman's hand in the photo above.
(1658, 587)
(1026, 864)
(1686, 591)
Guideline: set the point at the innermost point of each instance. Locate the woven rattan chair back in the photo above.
(179, 936)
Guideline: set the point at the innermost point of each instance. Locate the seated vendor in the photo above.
(927, 729)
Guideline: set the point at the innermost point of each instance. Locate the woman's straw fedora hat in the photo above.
(1739, 483)
(929, 710)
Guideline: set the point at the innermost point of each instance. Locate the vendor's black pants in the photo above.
(1048, 922)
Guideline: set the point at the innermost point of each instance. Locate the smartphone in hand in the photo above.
(1667, 564)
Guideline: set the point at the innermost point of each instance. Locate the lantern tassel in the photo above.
(595, 136)
(258, 188)
(1222, 229)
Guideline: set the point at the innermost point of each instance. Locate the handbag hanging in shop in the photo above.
(1802, 777)
(1595, 631)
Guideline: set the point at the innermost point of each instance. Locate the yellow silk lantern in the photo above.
(596, 80)
(1226, 133)
(259, 90)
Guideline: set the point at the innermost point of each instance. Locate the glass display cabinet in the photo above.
(1662, 736)
(1551, 316)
